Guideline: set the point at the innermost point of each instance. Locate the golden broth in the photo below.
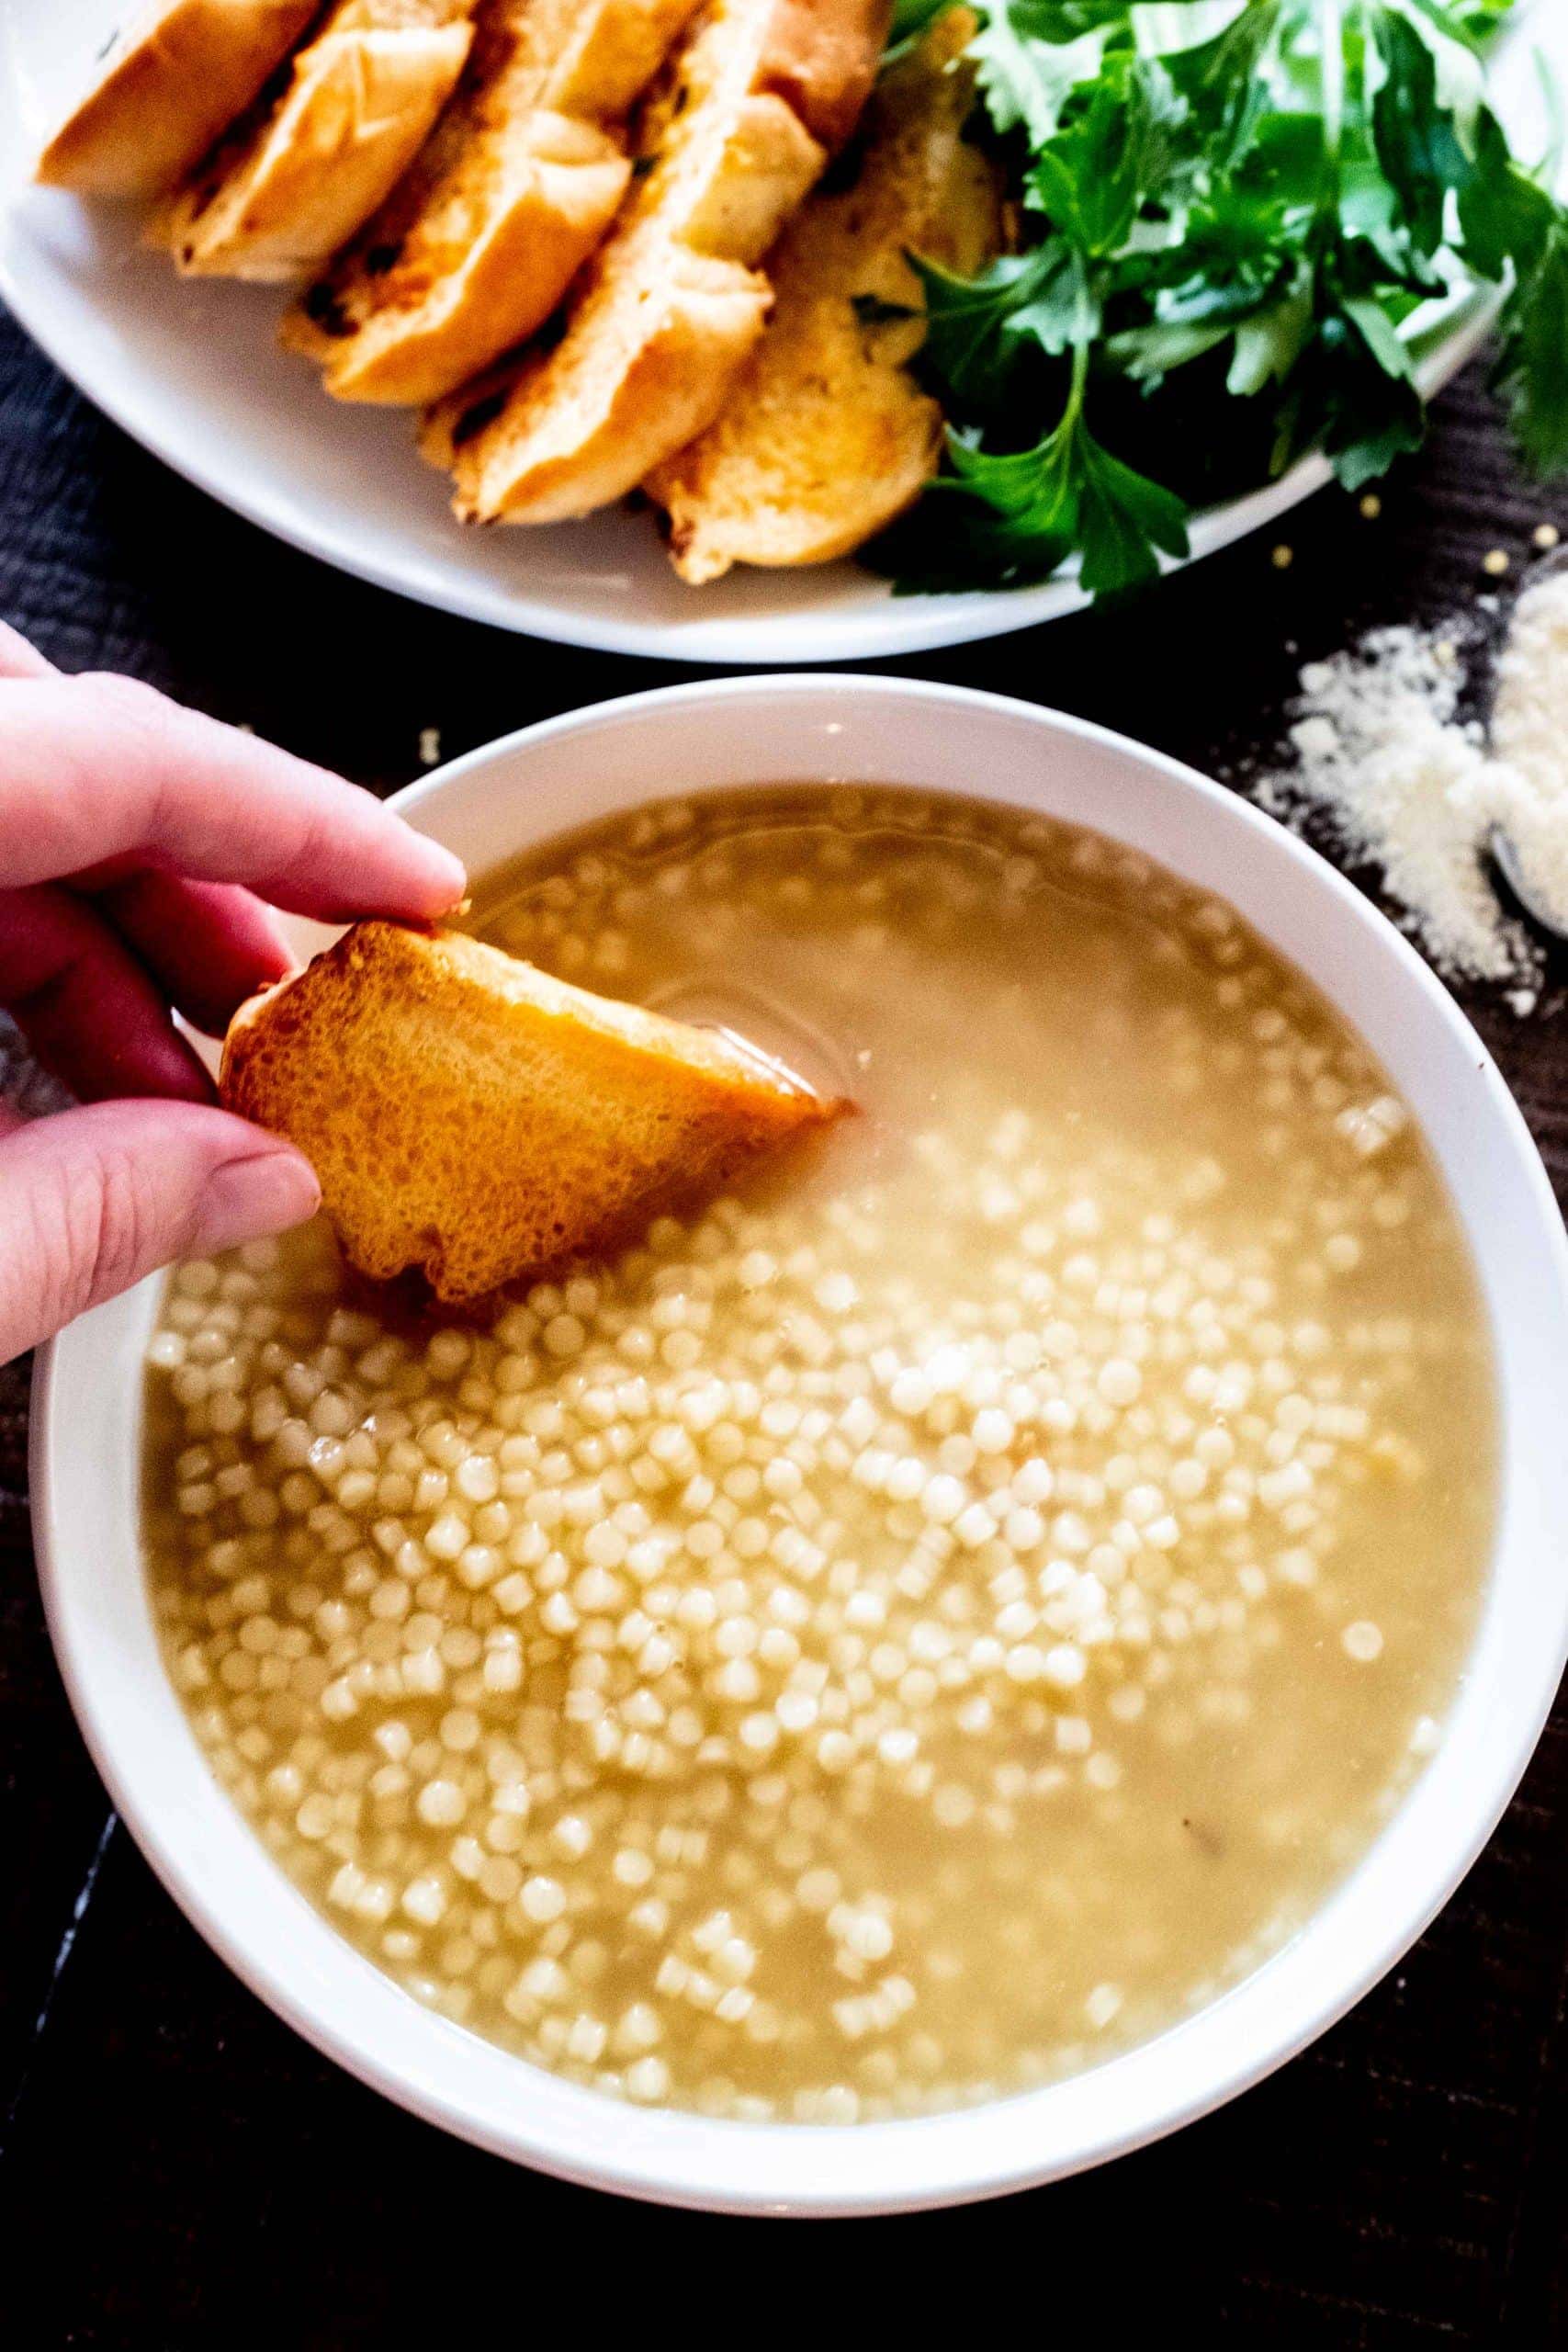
(915, 1628)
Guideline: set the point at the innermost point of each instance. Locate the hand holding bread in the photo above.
(144, 845)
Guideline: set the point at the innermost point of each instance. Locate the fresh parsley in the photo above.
(1228, 210)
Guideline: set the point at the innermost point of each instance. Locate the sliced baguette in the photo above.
(825, 436)
(760, 94)
(514, 189)
(170, 84)
(297, 176)
(474, 1120)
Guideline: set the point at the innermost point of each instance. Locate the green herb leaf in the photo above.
(1235, 206)
(1269, 343)
(1091, 177)
(1123, 518)
(1532, 370)
(1417, 144)
(913, 17)
(1070, 492)
(1031, 55)
(1460, 74)
(1223, 78)
(979, 328)
(1505, 218)
(1359, 399)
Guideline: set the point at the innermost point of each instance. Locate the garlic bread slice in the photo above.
(171, 83)
(760, 95)
(825, 436)
(296, 178)
(515, 187)
(475, 1121)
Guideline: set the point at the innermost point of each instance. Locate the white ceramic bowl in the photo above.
(762, 730)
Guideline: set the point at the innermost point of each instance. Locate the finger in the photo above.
(210, 945)
(93, 1200)
(98, 768)
(20, 660)
(90, 1012)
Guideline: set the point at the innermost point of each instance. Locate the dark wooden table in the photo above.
(180, 2170)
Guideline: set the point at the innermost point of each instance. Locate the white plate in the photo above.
(192, 370)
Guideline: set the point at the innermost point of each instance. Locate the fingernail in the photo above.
(445, 874)
(246, 1200)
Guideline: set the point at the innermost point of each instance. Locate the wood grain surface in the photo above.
(180, 2169)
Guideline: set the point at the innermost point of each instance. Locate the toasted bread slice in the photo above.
(760, 94)
(515, 187)
(170, 84)
(477, 1121)
(296, 176)
(825, 436)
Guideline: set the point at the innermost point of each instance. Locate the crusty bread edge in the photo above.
(405, 73)
(462, 957)
(682, 370)
(234, 1060)
(125, 139)
(676, 384)
(552, 224)
(703, 549)
(699, 553)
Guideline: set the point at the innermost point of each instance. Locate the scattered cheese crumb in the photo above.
(1497, 563)
(1282, 557)
(429, 746)
(1392, 772)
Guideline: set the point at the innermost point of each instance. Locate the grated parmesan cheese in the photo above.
(1391, 770)
(1528, 790)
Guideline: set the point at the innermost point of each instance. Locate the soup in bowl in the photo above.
(963, 1636)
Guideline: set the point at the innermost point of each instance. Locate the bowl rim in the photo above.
(676, 2157)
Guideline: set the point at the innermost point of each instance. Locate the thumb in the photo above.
(91, 1200)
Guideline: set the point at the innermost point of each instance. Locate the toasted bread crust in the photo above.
(825, 435)
(171, 86)
(673, 301)
(478, 1121)
(286, 189)
(672, 383)
(516, 187)
(822, 60)
(563, 196)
